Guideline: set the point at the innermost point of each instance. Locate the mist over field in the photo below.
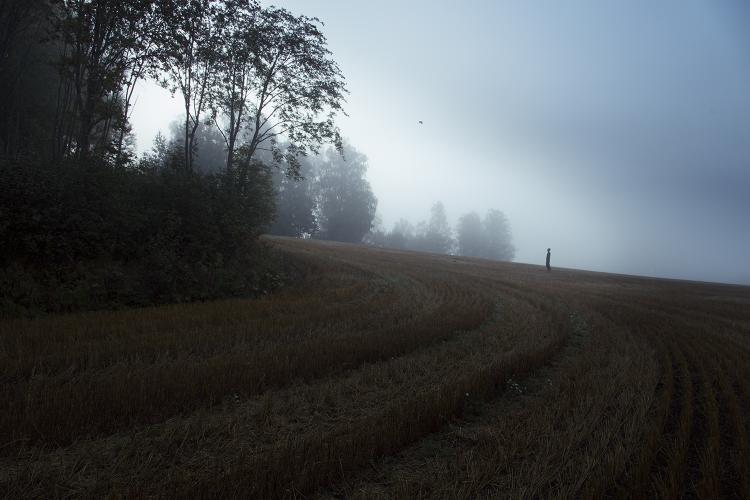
(615, 133)
(331, 249)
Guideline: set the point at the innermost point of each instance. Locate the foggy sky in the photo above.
(616, 133)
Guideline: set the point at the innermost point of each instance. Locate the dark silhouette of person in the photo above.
(548, 254)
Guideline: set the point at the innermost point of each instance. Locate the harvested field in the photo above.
(388, 374)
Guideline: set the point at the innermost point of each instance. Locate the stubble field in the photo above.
(388, 374)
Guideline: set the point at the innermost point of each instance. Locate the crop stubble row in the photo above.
(356, 379)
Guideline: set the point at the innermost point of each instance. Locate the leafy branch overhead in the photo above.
(299, 88)
(259, 74)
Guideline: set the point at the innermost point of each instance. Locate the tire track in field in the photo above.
(386, 432)
(481, 376)
(693, 443)
(547, 434)
(402, 419)
(704, 468)
(693, 429)
(443, 397)
(683, 458)
(683, 331)
(727, 370)
(391, 319)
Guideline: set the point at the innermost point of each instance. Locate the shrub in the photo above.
(85, 236)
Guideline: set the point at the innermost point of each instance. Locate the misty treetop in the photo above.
(242, 66)
(345, 202)
(489, 238)
(333, 200)
(327, 197)
(435, 235)
(470, 235)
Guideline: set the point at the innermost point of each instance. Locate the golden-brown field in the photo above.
(387, 374)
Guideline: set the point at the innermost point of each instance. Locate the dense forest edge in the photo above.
(85, 222)
(88, 223)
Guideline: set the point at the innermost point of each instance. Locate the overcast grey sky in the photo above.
(615, 132)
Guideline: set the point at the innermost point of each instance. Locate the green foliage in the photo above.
(247, 69)
(83, 236)
(295, 203)
(297, 89)
(86, 225)
(103, 49)
(345, 202)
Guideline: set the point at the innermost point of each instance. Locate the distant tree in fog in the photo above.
(209, 151)
(436, 235)
(498, 239)
(470, 235)
(377, 236)
(295, 202)
(345, 202)
(402, 235)
(165, 154)
(489, 238)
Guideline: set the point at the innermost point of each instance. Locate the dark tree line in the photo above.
(328, 198)
(489, 237)
(235, 64)
(91, 224)
(332, 200)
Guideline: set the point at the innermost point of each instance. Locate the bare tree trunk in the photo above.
(188, 148)
(129, 89)
(230, 152)
(121, 137)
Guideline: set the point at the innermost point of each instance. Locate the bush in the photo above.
(87, 236)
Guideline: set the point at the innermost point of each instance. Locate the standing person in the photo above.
(548, 254)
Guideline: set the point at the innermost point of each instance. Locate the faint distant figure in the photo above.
(548, 254)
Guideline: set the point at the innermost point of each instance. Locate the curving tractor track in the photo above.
(389, 374)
